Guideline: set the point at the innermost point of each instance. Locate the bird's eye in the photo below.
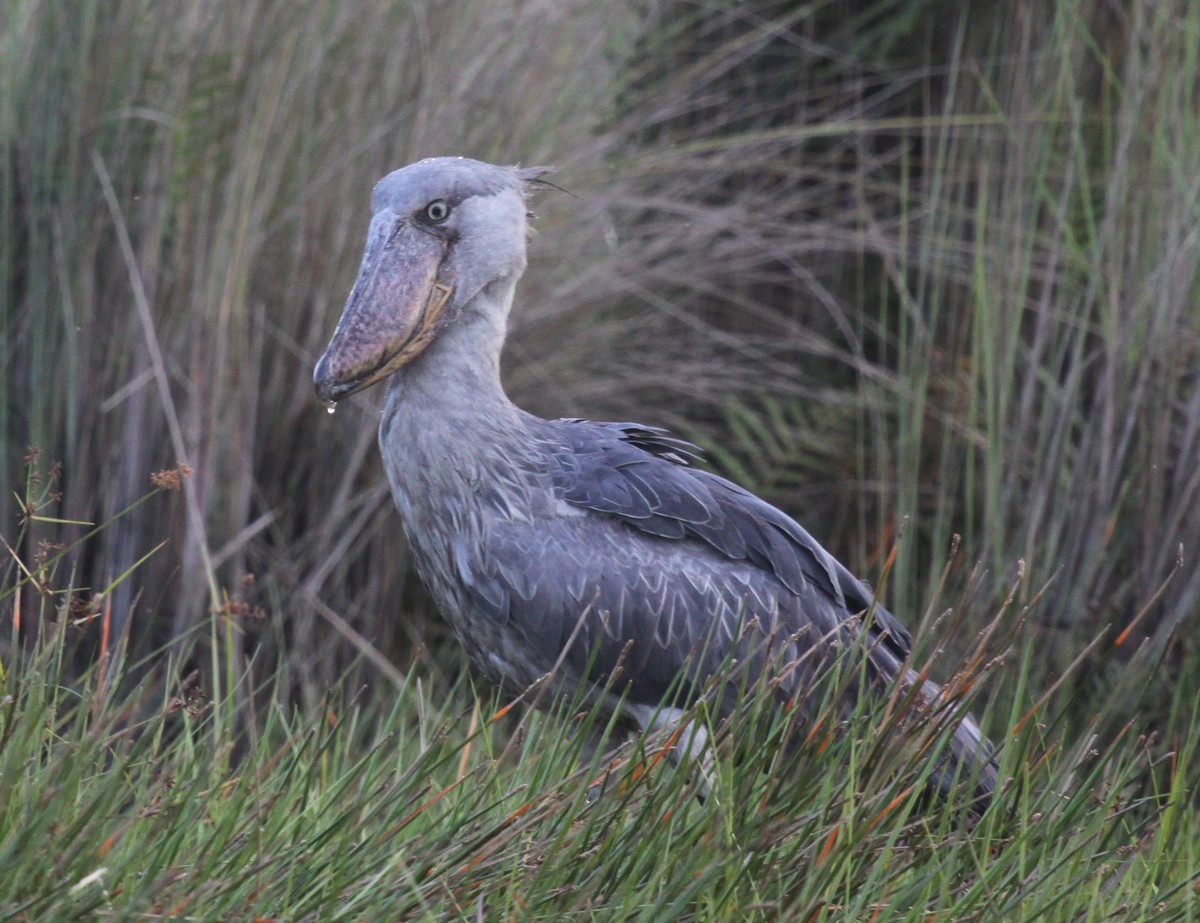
(437, 211)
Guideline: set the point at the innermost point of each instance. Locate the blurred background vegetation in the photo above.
(911, 268)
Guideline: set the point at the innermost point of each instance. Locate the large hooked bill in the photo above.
(393, 312)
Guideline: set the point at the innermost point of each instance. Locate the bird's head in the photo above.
(442, 230)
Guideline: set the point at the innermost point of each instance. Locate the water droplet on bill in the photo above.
(330, 406)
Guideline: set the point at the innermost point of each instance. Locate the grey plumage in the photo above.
(529, 532)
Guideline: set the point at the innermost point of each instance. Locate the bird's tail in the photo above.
(969, 756)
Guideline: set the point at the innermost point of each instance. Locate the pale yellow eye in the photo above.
(437, 211)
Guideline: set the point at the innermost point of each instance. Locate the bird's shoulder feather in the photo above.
(645, 477)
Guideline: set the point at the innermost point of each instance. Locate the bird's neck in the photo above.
(462, 364)
(448, 407)
(453, 443)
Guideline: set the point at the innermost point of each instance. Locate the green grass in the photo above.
(422, 805)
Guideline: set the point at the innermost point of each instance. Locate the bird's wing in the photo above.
(643, 477)
(610, 596)
(659, 567)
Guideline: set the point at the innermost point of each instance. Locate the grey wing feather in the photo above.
(664, 562)
(674, 500)
(633, 602)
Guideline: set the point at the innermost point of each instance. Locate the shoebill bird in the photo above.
(568, 551)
